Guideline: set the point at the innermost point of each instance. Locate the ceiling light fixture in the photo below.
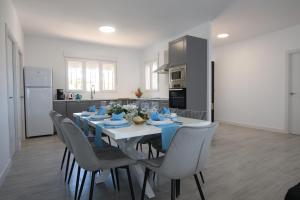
(223, 35)
(107, 29)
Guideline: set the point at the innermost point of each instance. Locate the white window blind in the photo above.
(151, 77)
(92, 75)
(148, 77)
(108, 76)
(75, 75)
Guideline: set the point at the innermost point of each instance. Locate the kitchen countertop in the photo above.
(112, 99)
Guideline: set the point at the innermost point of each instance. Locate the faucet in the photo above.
(93, 91)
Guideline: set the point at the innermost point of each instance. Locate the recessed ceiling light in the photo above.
(107, 29)
(223, 35)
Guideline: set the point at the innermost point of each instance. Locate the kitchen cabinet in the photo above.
(60, 107)
(192, 52)
(74, 107)
(177, 52)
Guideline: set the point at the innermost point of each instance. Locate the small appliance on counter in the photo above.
(60, 95)
(70, 96)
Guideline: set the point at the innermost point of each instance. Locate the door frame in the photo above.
(16, 49)
(288, 87)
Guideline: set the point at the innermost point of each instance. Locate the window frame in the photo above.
(151, 63)
(84, 60)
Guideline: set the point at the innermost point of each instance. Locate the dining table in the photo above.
(127, 138)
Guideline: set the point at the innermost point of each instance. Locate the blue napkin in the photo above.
(92, 108)
(117, 117)
(168, 131)
(98, 136)
(156, 117)
(102, 110)
(166, 111)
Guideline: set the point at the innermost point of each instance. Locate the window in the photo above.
(151, 77)
(84, 74)
(108, 76)
(75, 78)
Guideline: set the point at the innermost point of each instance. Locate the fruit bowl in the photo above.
(138, 120)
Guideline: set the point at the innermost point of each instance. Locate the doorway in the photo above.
(294, 93)
(13, 64)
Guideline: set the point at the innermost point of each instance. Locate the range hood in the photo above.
(163, 62)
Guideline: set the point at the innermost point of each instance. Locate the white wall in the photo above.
(151, 53)
(9, 17)
(251, 80)
(50, 52)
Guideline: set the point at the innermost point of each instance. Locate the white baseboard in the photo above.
(274, 130)
(5, 171)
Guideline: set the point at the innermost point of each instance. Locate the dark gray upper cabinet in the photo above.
(177, 52)
(192, 52)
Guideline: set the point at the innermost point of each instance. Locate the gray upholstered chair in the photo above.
(60, 136)
(185, 157)
(89, 160)
(58, 120)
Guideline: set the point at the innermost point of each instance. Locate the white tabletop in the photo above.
(142, 130)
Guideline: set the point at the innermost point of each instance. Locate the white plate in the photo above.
(99, 117)
(86, 113)
(156, 123)
(114, 123)
(172, 115)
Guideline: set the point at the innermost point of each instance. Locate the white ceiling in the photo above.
(140, 23)
(245, 19)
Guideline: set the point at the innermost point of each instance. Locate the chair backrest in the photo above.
(58, 131)
(58, 118)
(188, 151)
(82, 150)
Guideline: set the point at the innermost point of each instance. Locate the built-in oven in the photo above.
(177, 76)
(177, 98)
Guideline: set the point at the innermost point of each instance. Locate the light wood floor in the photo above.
(244, 164)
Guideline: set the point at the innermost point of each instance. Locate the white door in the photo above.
(18, 99)
(294, 94)
(10, 93)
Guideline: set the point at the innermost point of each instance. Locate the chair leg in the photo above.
(77, 182)
(67, 166)
(157, 153)
(71, 171)
(202, 178)
(177, 188)
(113, 178)
(144, 183)
(150, 151)
(137, 146)
(82, 184)
(117, 178)
(130, 183)
(109, 142)
(63, 160)
(199, 187)
(141, 146)
(173, 189)
(92, 186)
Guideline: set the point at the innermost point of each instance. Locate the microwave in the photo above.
(177, 77)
